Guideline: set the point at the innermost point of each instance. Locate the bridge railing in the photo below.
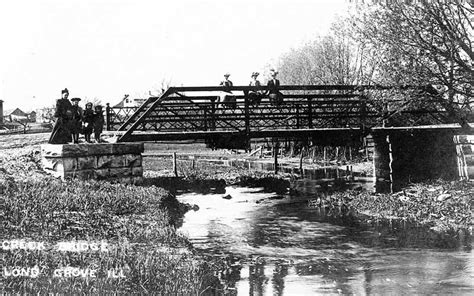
(188, 109)
(207, 113)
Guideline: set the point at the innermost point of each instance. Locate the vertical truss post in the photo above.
(363, 112)
(213, 114)
(310, 113)
(205, 117)
(247, 115)
(297, 115)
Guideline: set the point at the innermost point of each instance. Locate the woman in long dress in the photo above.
(61, 133)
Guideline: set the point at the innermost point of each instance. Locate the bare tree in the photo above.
(427, 42)
(333, 59)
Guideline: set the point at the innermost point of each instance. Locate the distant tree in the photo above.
(24, 123)
(333, 59)
(427, 42)
(154, 91)
(46, 114)
(328, 60)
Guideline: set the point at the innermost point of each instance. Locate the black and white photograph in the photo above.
(236, 147)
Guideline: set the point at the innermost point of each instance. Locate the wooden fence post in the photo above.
(275, 153)
(325, 155)
(175, 167)
(301, 160)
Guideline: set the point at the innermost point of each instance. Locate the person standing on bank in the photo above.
(88, 121)
(76, 120)
(225, 100)
(98, 123)
(275, 96)
(61, 133)
(254, 96)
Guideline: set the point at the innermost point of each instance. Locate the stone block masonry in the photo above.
(419, 155)
(402, 157)
(118, 162)
(465, 154)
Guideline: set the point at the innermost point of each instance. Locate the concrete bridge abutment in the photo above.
(117, 162)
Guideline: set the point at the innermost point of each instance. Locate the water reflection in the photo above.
(280, 246)
(345, 176)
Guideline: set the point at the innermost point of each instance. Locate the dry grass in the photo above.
(136, 222)
(443, 205)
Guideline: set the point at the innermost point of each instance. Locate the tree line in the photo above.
(422, 43)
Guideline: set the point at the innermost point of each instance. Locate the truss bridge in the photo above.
(325, 112)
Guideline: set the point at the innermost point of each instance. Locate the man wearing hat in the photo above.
(61, 133)
(276, 97)
(226, 100)
(254, 96)
(76, 120)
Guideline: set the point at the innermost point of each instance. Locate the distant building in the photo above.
(128, 102)
(32, 116)
(18, 115)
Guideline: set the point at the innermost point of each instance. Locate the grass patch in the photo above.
(133, 221)
(442, 205)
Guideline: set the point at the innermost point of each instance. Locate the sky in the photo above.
(103, 49)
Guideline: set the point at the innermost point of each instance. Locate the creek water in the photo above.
(280, 244)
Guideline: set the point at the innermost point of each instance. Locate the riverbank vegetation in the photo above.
(144, 253)
(444, 206)
(138, 222)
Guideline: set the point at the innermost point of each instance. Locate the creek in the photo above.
(282, 244)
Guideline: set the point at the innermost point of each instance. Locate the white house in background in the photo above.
(128, 102)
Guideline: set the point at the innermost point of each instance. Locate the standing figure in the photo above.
(254, 96)
(76, 120)
(61, 133)
(88, 121)
(276, 97)
(225, 99)
(98, 123)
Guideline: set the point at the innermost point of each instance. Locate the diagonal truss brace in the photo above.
(142, 118)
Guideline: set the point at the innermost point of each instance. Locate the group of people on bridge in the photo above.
(254, 96)
(72, 120)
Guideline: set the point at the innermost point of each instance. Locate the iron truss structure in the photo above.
(306, 111)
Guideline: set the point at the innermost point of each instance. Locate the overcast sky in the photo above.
(104, 49)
